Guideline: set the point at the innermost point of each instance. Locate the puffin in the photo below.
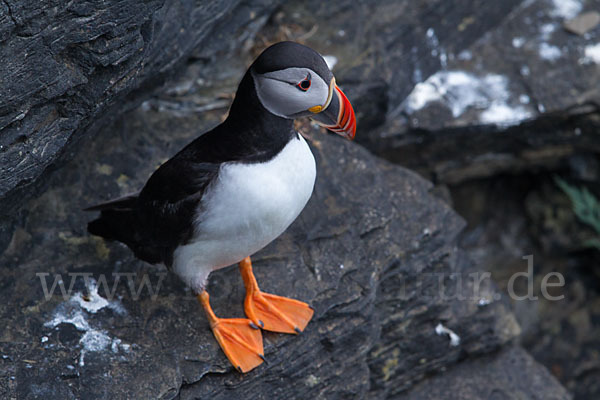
(233, 190)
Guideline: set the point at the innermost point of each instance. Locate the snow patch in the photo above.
(417, 75)
(547, 30)
(442, 330)
(524, 99)
(503, 114)
(549, 52)
(465, 55)
(518, 42)
(591, 54)
(436, 50)
(459, 90)
(566, 8)
(331, 61)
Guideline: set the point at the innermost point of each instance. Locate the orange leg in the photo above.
(239, 338)
(271, 312)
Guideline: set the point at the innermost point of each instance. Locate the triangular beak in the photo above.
(339, 116)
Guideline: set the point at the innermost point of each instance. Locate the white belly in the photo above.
(245, 209)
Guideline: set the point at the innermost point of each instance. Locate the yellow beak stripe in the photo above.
(318, 109)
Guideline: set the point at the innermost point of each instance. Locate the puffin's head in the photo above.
(293, 81)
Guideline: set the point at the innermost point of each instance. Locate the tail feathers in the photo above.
(114, 225)
(121, 225)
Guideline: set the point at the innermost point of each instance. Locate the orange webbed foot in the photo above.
(239, 338)
(276, 313)
(272, 312)
(241, 343)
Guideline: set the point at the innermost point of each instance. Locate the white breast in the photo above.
(245, 209)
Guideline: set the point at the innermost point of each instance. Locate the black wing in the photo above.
(160, 218)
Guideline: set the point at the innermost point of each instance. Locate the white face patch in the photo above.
(279, 93)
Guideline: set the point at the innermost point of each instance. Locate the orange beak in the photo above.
(338, 116)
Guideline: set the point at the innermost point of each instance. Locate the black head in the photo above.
(291, 80)
(285, 55)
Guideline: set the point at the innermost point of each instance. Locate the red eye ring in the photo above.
(304, 84)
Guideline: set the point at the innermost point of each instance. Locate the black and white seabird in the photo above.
(235, 189)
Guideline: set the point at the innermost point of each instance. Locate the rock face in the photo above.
(492, 378)
(521, 98)
(68, 68)
(374, 253)
(458, 90)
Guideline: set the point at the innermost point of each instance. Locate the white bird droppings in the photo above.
(67, 314)
(93, 340)
(442, 330)
(483, 302)
(72, 312)
(93, 302)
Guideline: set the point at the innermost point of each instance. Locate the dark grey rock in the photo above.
(583, 23)
(513, 216)
(459, 90)
(510, 374)
(374, 253)
(70, 68)
(386, 47)
(523, 97)
(454, 155)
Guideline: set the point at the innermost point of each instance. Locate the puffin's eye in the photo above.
(304, 84)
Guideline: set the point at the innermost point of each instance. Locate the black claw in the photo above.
(297, 330)
(262, 324)
(253, 325)
(311, 308)
(262, 356)
(240, 369)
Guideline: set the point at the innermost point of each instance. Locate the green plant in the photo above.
(585, 206)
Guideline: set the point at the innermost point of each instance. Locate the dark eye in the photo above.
(304, 84)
